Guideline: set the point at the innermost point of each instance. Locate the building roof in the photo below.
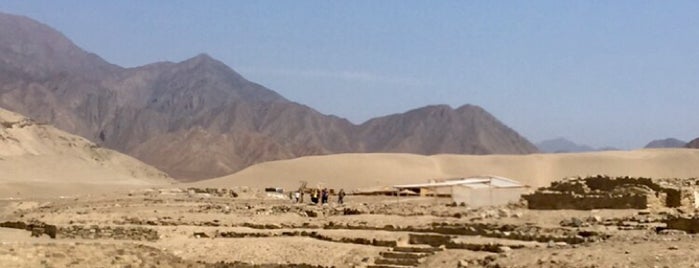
(472, 182)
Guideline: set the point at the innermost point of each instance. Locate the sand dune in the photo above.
(351, 171)
(40, 160)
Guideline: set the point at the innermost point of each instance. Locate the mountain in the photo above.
(694, 144)
(199, 118)
(666, 143)
(441, 129)
(38, 159)
(562, 145)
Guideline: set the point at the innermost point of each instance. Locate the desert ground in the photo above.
(180, 227)
(226, 223)
(65, 202)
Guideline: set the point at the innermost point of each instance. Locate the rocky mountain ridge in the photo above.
(666, 143)
(199, 118)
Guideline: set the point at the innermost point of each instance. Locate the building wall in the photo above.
(485, 196)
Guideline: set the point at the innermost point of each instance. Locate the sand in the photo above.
(180, 218)
(352, 171)
(41, 161)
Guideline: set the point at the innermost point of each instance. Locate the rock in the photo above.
(504, 249)
(672, 232)
(503, 213)
(575, 222)
(644, 212)
(594, 219)
(673, 248)
(311, 213)
(464, 263)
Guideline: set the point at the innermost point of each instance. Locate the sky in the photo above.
(601, 73)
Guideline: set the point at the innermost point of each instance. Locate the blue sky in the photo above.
(602, 73)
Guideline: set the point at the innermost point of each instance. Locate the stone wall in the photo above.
(35, 227)
(108, 232)
(603, 192)
(687, 224)
(557, 200)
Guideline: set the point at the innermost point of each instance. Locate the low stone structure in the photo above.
(108, 232)
(218, 192)
(689, 224)
(35, 227)
(603, 192)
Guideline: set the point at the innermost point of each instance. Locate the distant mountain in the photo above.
(441, 129)
(694, 144)
(562, 145)
(666, 143)
(199, 118)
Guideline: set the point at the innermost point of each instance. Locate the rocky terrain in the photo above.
(244, 227)
(200, 119)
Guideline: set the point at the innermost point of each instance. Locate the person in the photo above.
(324, 195)
(314, 196)
(297, 196)
(341, 196)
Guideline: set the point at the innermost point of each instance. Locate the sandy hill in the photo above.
(352, 171)
(39, 160)
(200, 119)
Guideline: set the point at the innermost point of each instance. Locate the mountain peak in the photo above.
(203, 57)
(36, 49)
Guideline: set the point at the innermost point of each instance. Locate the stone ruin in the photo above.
(604, 192)
(217, 192)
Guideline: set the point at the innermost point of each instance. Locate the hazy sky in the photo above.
(603, 73)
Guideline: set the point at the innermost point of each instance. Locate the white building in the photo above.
(473, 191)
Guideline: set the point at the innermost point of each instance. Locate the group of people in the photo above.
(320, 196)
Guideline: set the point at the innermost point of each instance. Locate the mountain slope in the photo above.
(694, 144)
(441, 129)
(37, 159)
(199, 118)
(666, 143)
(562, 145)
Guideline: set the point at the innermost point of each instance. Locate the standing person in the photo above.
(325, 195)
(314, 196)
(341, 196)
(297, 196)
